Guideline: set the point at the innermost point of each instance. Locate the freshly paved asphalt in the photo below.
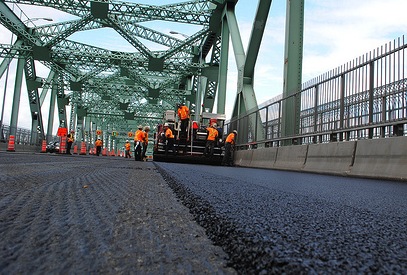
(87, 214)
(96, 215)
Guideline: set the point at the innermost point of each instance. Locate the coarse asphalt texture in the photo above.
(276, 222)
(109, 215)
(63, 214)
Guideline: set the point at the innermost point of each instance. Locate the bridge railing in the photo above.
(22, 136)
(363, 99)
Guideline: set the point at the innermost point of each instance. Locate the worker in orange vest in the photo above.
(169, 136)
(183, 114)
(127, 147)
(98, 145)
(138, 143)
(70, 139)
(229, 149)
(211, 139)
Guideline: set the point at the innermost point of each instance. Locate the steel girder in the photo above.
(158, 72)
(293, 67)
(192, 12)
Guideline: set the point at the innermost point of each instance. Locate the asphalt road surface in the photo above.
(110, 215)
(272, 221)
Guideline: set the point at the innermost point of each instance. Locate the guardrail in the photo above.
(362, 99)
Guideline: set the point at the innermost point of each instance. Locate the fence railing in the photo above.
(22, 136)
(363, 99)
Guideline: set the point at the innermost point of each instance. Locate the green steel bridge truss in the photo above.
(114, 90)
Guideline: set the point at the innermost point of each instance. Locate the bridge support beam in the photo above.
(17, 96)
(293, 68)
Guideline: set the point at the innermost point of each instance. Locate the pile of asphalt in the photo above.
(269, 225)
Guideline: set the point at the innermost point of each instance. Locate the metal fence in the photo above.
(22, 136)
(362, 99)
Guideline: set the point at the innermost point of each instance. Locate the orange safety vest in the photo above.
(98, 143)
(168, 133)
(138, 136)
(231, 138)
(213, 133)
(183, 112)
(145, 137)
(70, 138)
(127, 145)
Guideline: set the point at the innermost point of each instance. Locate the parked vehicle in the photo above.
(53, 147)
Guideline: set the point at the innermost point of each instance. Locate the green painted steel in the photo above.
(293, 68)
(147, 80)
(115, 90)
(223, 68)
(16, 96)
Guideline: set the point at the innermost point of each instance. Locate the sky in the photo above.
(335, 32)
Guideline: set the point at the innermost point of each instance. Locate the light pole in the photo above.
(37, 18)
(8, 67)
(184, 35)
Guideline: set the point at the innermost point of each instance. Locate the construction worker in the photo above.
(98, 144)
(138, 139)
(70, 139)
(183, 114)
(229, 149)
(127, 147)
(211, 139)
(170, 139)
(145, 141)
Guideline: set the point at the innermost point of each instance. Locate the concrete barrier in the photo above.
(21, 147)
(381, 158)
(330, 158)
(264, 157)
(243, 158)
(291, 157)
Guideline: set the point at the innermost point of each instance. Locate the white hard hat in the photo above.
(140, 127)
(147, 128)
(127, 140)
(166, 124)
(234, 131)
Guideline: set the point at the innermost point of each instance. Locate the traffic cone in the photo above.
(75, 149)
(44, 146)
(104, 152)
(62, 145)
(83, 148)
(11, 146)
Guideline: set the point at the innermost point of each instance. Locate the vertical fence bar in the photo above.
(371, 97)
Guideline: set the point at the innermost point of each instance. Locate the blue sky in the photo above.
(335, 32)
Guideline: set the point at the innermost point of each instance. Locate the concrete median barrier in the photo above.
(264, 157)
(330, 158)
(291, 157)
(381, 158)
(243, 158)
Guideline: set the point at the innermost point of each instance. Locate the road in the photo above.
(272, 221)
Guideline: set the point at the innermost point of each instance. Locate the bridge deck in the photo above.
(88, 214)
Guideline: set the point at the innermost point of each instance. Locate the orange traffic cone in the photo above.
(83, 148)
(44, 146)
(104, 152)
(62, 145)
(11, 147)
(75, 149)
